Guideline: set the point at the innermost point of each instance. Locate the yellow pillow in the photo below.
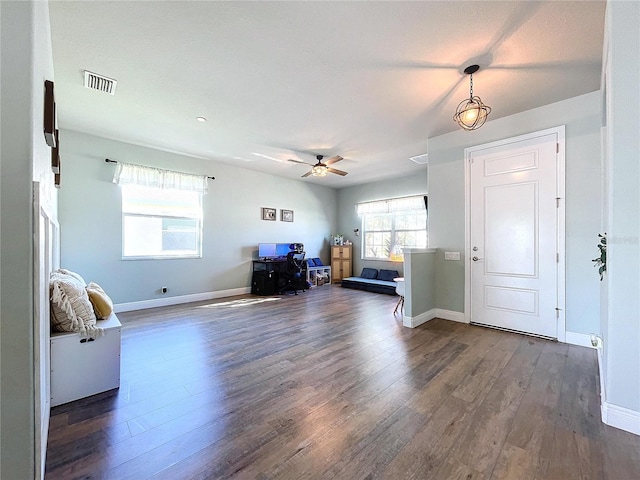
(102, 304)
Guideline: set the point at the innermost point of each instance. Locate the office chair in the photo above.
(294, 273)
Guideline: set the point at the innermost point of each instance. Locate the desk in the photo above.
(266, 275)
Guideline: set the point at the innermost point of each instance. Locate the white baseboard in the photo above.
(450, 315)
(614, 415)
(580, 339)
(166, 301)
(413, 322)
(620, 417)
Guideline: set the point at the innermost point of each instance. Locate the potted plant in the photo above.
(601, 261)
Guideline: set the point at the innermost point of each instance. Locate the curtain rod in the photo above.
(115, 161)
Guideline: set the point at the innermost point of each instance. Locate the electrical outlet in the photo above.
(594, 340)
(452, 255)
(164, 289)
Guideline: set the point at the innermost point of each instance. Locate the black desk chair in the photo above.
(293, 275)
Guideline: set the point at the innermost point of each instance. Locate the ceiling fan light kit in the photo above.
(321, 169)
(471, 112)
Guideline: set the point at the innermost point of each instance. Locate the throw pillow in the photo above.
(75, 275)
(71, 310)
(311, 262)
(102, 304)
(388, 275)
(369, 273)
(318, 262)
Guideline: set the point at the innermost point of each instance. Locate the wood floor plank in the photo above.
(329, 384)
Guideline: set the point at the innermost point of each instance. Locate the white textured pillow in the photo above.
(75, 275)
(71, 310)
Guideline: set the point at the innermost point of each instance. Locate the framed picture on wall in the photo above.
(269, 214)
(55, 155)
(49, 114)
(286, 215)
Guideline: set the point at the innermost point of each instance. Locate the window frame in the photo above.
(393, 231)
(199, 225)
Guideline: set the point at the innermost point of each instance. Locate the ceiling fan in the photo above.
(321, 168)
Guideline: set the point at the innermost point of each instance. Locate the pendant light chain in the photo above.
(471, 86)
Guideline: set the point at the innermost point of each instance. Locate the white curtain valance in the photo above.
(130, 174)
(415, 202)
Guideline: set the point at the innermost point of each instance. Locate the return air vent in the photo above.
(100, 83)
(420, 159)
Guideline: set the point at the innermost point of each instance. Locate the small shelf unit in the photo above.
(317, 276)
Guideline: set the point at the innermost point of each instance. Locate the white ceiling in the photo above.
(370, 81)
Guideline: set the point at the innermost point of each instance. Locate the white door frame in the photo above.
(560, 240)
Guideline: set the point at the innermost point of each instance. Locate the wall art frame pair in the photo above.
(269, 214)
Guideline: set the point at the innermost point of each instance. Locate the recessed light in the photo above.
(201, 119)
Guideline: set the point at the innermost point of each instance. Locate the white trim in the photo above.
(424, 317)
(580, 339)
(451, 315)
(620, 417)
(411, 250)
(614, 415)
(413, 322)
(560, 192)
(599, 351)
(166, 301)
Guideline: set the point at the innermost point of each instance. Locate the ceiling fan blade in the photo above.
(307, 174)
(335, 159)
(299, 161)
(339, 172)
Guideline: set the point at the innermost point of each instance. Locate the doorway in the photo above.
(515, 234)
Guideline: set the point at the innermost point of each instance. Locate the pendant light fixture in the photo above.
(471, 113)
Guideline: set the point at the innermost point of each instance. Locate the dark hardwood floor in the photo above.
(329, 385)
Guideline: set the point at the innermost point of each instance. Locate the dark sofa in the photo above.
(373, 281)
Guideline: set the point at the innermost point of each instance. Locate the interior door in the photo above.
(514, 235)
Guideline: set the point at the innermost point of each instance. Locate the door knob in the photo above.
(475, 259)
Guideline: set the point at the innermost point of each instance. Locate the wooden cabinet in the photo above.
(341, 259)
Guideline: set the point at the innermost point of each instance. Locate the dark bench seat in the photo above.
(373, 281)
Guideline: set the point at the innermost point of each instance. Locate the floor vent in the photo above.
(420, 159)
(100, 83)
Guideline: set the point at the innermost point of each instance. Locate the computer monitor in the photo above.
(282, 249)
(267, 250)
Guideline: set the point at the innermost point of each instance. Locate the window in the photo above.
(161, 223)
(390, 225)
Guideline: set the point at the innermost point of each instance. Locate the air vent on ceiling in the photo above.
(100, 83)
(420, 159)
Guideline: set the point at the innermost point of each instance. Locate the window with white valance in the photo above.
(161, 212)
(392, 224)
(130, 174)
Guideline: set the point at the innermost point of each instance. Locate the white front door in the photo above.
(515, 231)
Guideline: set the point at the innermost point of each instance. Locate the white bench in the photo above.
(83, 367)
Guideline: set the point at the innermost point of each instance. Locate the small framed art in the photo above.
(55, 155)
(49, 114)
(286, 215)
(269, 214)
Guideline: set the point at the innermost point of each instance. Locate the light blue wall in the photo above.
(26, 61)
(621, 319)
(414, 184)
(420, 281)
(90, 220)
(582, 118)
